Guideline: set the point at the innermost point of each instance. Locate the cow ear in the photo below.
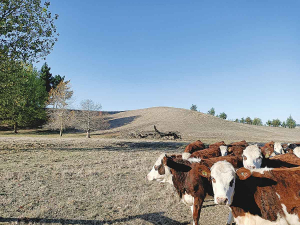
(243, 173)
(204, 171)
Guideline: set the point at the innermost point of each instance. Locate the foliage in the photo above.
(283, 124)
(49, 81)
(22, 96)
(90, 118)
(193, 107)
(211, 111)
(27, 30)
(257, 122)
(237, 120)
(223, 115)
(242, 120)
(269, 123)
(290, 122)
(60, 117)
(248, 120)
(276, 123)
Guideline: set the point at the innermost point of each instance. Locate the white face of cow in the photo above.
(223, 149)
(252, 157)
(278, 148)
(223, 182)
(160, 172)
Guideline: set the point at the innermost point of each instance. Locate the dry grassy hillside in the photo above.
(196, 125)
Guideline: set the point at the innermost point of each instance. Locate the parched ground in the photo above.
(73, 180)
(96, 181)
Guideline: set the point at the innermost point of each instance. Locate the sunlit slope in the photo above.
(196, 125)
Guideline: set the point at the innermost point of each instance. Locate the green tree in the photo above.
(46, 76)
(223, 115)
(242, 120)
(283, 124)
(211, 111)
(237, 120)
(193, 107)
(257, 121)
(56, 80)
(248, 120)
(269, 123)
(22, 96)
(27, 30)
(276, 123)
(290, 122)
(48, 80)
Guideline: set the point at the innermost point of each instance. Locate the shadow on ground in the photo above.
(154, 218)
(114, 123)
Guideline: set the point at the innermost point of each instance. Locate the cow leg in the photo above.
(197, 209)
(230, 219)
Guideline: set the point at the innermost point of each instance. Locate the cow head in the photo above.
(159, 171)
(278, 148)
(222, 176)
(252, 157)
(223, 149)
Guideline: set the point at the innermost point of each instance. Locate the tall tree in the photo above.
(276, 123)
(27, 32)
(242, 120)
(22, 96)
(223, 115)
(193, 107)
(46, 76)
(60, 118)
(211, 111)
(269, 123)
(290, 122)
(248, 120)
(257, 121)
(90, 118)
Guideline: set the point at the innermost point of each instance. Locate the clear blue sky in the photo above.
(240, 57)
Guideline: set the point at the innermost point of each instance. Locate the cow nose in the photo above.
(222, 201)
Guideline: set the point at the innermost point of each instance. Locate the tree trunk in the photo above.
(15, 127)
(88, 134)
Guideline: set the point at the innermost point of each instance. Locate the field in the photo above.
(96, 181)
(45, 179)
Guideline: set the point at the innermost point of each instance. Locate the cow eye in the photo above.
(213, 180)
(156, 167)
(244, 157)
(231, 182)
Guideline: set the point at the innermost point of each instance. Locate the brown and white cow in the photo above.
(214, 150)
(194, 146)
(253, 159)
(260, 197)
(237, 148)
(190, 185)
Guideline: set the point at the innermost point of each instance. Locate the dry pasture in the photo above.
(96, 181)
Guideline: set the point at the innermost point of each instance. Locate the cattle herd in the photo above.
(260, 184)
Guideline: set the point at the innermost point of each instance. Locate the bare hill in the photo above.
(196, 125)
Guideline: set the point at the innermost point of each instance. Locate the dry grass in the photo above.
(72, 180)
(101, 181)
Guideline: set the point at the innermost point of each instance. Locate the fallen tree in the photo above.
(156, 134)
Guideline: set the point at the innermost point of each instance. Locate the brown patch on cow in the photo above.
(258, 194)
(217, 144)
(284, 160)
(207, 153)
(267, 149)
(194, 146)
(237, 148)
